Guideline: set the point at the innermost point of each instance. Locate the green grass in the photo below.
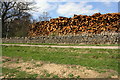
(66, 44)
(18, 74)
(70, 75)
(96, 58)
(55, 76)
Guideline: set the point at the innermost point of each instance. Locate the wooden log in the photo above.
(94, 24)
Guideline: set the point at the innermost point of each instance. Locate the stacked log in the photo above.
(78, 24)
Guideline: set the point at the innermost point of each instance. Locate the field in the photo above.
(47, 62)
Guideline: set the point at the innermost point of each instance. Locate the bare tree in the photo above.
(20, 27)
(10, 11)
(44, 17)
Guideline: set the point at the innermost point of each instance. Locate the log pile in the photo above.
(95, 24)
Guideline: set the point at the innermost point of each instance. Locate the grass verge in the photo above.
(96, 58)
(66, 44)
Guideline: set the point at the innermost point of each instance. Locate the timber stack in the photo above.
(78, 24)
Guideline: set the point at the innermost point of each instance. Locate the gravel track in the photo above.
(95, 47)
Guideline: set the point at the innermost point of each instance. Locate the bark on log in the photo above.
(96, 24)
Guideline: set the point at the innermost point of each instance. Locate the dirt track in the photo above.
(95, 47)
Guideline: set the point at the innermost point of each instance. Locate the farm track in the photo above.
(94, 47)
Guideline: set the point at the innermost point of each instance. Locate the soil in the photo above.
(62, 70)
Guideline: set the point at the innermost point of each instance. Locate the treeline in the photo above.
(15, 18)
(78, 24)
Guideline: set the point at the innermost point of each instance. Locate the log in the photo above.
(95, 24)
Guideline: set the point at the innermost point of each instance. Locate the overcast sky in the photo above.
(68, 8)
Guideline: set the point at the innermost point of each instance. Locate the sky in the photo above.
(68, 8)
